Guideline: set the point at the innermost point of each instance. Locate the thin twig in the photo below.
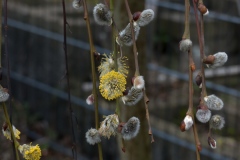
(186, 34)
(15, 142)
(133, 38)
(92, 50)
(1, 41)
(190, 108)
(74, 148)
(200, 32)
(191, 68)
(8, 68)
(146, 101)
(137, 73)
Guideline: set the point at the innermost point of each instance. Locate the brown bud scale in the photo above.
(182, 126)
(202, 8)
(136, 16)
(198, 79)
(209, 59)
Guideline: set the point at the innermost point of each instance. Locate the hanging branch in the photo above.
(15, 143)
(186, 46)
(190, 108)
(1, 42)
(133, 38)
(200, 32)
(8, 118)
(137, 73)
(92, 51)
(74, 149)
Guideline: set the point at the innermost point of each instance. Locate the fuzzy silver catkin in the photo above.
(102, 15)
(76, 4)
(203, 115)
(217, 122)
(3, 95)
(133, 97)
(185, 45)
(213, 102)
(145, 17)
(220, 59)
(125, 36)
(93, 136)
(131, 128)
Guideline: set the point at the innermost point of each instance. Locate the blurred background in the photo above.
(39, 96)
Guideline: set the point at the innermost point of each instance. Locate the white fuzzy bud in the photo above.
(90, 99)
(125, 36)
(220, 59)
(185, 45)
(213, 102)
(203, 115)
(102, 15)
(217, 122)
(76, 4)
(3, 95)
(93, 136)
(131, 128)
(139, 82)
(145, 17)
(188, 121)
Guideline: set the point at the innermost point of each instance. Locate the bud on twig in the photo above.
(133, 97)
(3, 94)
(203, 115)
(186, 123)
(90, 99)
(212, 143)
(125, 36)
(203, 9)
(185, 45)
(93, 136)
(217, 122)
(198, 80)
(138, 82)
(102, 15)
(220, 59)
(213, 102)
(131, 128)
(144, 18)
(77, 4)
(209, 59)
(136, 16)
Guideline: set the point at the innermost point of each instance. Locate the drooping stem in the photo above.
(74, 149)
(15, 142)
(115, 54)
(92, 50)
(200, 32)
(8, 64)
(190, 107)
(137, 73)
(186, 34)
(204, 90)
(146, 100)
(133, 38)
(191, 68)
(1, 41)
